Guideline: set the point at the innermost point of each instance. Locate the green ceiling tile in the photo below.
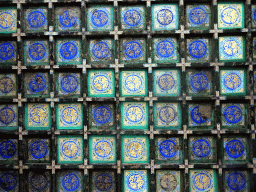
(134, 115)
(135, 180)
(233, 82)
(165, 17)
(202, 149)
(203, 180)
(166, 82)
(102, 149)
(235, 150)
(168, 180)
(230, 15)
(37, 116)
(167, 115)
(8, 52)
(36, 52)
(8, 18)
(133, 83)
(132, 17)
(135, 149)
(165, 50)
(168, 150)
(198, 16)
(231, 49)
(101, 83)
(236, 180)
(38, 150)
(69, 116)
(70, 149)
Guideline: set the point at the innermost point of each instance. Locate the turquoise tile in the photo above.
(166, 82)
(198, 50)
(198, 16)
(101, 83)
(165, 17)
(168, 180)
(134, 115)
(8, 117)
(36, 19)
(8, 18)
(231, 49)
(133, 17)
(100, 18)
(68, 19)
(70, 180)
(135, 180)
(102, 149)
(230, 15)
(68, 51)
(165, 50)
(36, 52)
(133, 51)
(69, 116)
(167, 115)
(8, 85)
(9, 181)
(233, 82)
(8, 53)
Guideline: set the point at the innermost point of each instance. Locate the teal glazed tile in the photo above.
(68, 51)
(68, 19)
(38, 150)
(236, 180)
(233, 82)
(203, 180)
(36, 19)
(230, 15)
(69, 116)
(231, 48)
(167, 115)
(202, 150)
(8, 151)
(36, 85)
(39, 181)
(198, 16)
(101, 51)
(235, 150)
(168, 180)
(199, 82)
(70, 149)
(165, 50)
(101, 83)
(234, 116)
(70, 180)
(133, 50)
(102, 149)
(101, 116)
(200, 116)
(253, 16)
(133, 83)
(133, 18)
(134, 115)
(103, 181)
(8, 117)
(68, 84)
(166, 82)
(165, 17)
(100, 18)
(8, 18)
(135, 149)
(8, 85)
(135, 180)
(37, 116)
(8, 55)
(198, 50)
(9, 181)
(168, 150)
(36, 52)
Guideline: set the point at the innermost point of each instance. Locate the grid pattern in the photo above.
(216, 129)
